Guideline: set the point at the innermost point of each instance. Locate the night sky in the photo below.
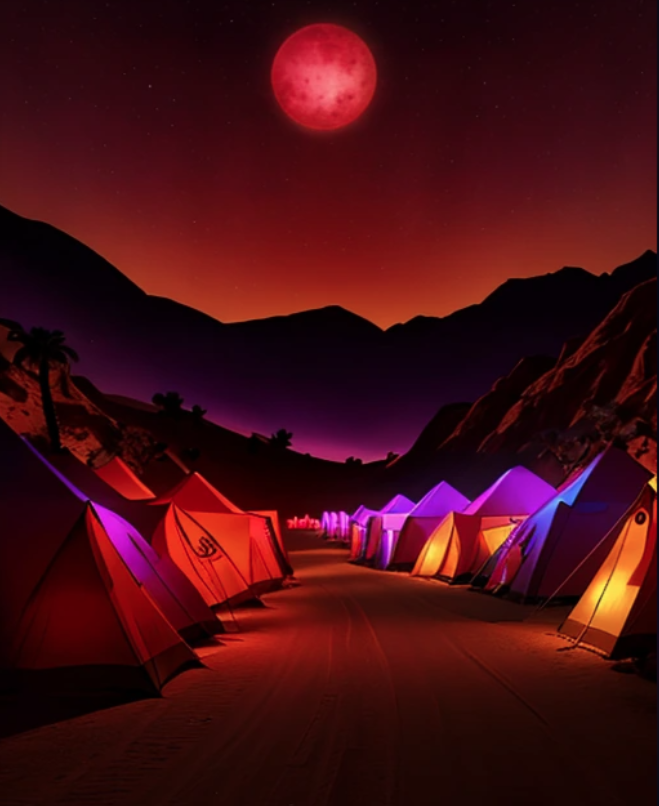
(504, 139)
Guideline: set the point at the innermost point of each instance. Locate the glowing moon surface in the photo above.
(324, 76)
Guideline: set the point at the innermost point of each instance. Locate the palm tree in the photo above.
(42, 349)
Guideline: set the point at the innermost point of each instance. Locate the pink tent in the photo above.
(399, 505)
(463, 541)
(423, 520)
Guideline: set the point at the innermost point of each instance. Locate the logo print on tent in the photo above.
(206, 547)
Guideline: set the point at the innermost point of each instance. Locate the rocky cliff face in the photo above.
(614, 367)
(86, 430)
(552, 414)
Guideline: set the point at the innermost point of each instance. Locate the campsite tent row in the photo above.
(523, 539)
(87, 601)
(335, 525)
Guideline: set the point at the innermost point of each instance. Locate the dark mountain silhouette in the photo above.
(341, 384)
(605, 382)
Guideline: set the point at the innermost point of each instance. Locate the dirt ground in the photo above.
(357, 687)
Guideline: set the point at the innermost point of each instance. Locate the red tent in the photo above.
(121, 478)
(208, 528)
(78, 610)
(193, 618)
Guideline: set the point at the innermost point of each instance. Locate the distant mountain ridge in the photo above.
(544, 403)
(339, 382)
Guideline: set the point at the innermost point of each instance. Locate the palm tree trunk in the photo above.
(49, 406)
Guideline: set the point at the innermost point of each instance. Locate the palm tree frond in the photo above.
(70, 352)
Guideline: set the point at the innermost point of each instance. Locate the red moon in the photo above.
(324, 76)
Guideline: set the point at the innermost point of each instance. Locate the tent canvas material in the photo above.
(207, 528)
(390, 530)
(121, 478)
(272, 521)
(357, 531)
(72, 606)
(423, 520)
(560, 547)
(617, 613)
(463, 541)
(126, 516)
(398, 505)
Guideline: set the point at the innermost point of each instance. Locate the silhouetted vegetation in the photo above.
(40, 351)
(198, 413)
(169, 403)
(391, 456)
(609, 424)
(282, 439)
(351, 460)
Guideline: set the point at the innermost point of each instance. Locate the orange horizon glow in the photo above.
(476, 271)
(493, 148)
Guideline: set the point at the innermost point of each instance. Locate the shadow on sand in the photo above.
(20, 713)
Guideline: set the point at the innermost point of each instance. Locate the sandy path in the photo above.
(365, 688)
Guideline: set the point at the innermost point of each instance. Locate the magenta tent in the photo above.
(390, 514)
(463, 541)
(423, 520)
(561, 546)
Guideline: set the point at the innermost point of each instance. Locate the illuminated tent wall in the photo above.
(121, 478)
(325, 523)
(617, 613)
(169, 588)
(357, 531)
(272, 523)
(544, 552)
(93, 486)
(344, 526)
(75, 616)
(200, 552)
(399, 505)
(154, 520)
(390, 527)
(207, 528)
(422, 522)
(463, 541)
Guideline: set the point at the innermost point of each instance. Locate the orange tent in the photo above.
(188, 614)
(617, 614)
(121, 478)
(461, 544)
(208, 527)
(272, 520)
(79, 611)
(464, 541)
